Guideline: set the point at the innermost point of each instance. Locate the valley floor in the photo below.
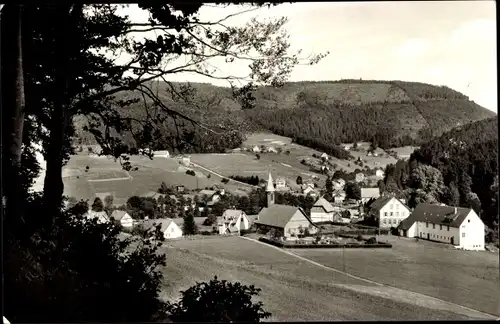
(294, 289)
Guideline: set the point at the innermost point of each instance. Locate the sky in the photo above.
(450, 43)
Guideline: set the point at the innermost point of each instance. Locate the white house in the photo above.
(379, 173)
(369, 193)
(212, 195)
(163, 154)
(460, 227)
(360, 177)
(101, 217)
(256, 149)
(186, 161)
(324, 156)
(310, 191)
(123, 217)
(339, 196)
(280, 183)
(388, 211)
(233, 221)
(338, 184)
(169, 228)
(322, 211)
(271, 149)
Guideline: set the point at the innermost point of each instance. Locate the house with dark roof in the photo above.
(286, 219)
(322, 211)
(460, 227)
(123, 218)
(388, 212)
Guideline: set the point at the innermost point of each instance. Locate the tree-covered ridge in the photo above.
(395, 113)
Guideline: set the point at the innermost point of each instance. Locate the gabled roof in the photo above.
(379, 203)
(232, 213)
(278, 215)
(322, 202)
(118, 214)
(436, 214)
(102, 217)
(165, 223)
(370, 192)
(207, 192)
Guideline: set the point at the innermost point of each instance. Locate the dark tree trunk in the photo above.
(13, 110)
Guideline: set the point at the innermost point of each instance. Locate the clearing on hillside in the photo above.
(466, 278)
(293, 289)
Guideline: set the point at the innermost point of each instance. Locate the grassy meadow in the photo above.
(293, 289)
(466, 278)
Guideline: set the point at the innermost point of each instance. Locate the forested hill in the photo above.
(468, 160)
(391, 113)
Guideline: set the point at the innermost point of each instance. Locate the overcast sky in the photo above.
(443, 43)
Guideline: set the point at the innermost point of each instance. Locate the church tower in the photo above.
(270, 191)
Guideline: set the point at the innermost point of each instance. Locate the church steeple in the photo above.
(270, 191)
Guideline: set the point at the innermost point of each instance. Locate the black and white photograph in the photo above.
(193, 161)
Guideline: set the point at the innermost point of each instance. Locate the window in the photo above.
(426, 224)
(391, 214)
(172, 229)
(440, 227)
(463, 234)
(390, 221)
(433, 226)
(385, 214)
(385, 221)
(468, 221)
(397, 213)
(448, 228)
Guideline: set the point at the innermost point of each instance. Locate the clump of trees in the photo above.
(252, 180)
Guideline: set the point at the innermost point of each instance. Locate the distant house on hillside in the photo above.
(256, 149)
(310, 191)
(338, 184)
(212, 196)
(180, 188)
(457, 226)
(123, 218)
(379, 173)
(232, 221)
(169, 228)
(186, 161)
(287, 220)
(388, 211)
(280, 183)
(324, 156)
(339, 196)
(360, 177)
(369, 193)
(163, 154)
(271, 149)
(322, 211)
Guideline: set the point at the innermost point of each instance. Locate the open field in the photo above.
(106, 175)
(293, 289)
(466, 278)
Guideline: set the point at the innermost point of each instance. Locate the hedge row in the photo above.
(331, 246)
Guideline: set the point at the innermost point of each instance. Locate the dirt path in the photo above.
(394, 293)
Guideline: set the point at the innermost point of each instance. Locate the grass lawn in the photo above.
(466, 278)
(292, 289)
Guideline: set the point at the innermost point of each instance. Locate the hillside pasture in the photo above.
(466, 278)
(292, 289)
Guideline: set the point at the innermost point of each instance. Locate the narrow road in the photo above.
(221, 176)
(394, 289)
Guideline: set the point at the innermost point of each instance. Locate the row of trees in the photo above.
(252, 180)
(59, 62)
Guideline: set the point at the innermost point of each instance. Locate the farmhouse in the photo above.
(388, 211)
(457, 226)
(123, 218)
(271, 149)
(379, 173)
(212, 196)
(169, 228)
(322, 211)
(369, 193)
(287, 220)
(324, 156)
(339, 196)
(360, 177)
(256, 149)
(232, 221)
(163, 154)
(280, 183)
(308, 191)
(101, 217)
(180, 188)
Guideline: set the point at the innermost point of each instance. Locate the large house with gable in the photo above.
(286, 220)
(388, 212)
(460, 227)
(322, 211)
(232, 221)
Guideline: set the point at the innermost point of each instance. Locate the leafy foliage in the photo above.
(252, 180)
(208, 302)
